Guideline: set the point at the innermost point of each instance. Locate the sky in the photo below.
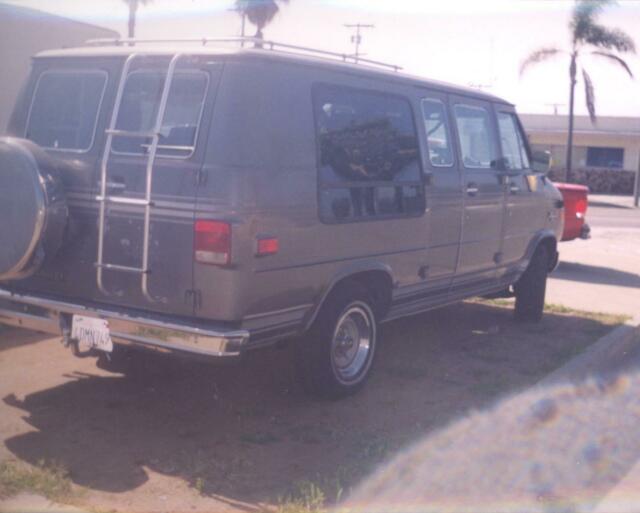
(470, 42)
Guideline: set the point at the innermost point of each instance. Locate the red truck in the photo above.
(575, 209)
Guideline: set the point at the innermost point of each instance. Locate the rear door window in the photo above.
(514, 149)
(369, 158)
(140, 104)
(437, 128)
(65, 108)
(475, 135)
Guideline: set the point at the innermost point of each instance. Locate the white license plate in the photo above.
(91, 333)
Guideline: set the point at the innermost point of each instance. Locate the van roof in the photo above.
(362, 67)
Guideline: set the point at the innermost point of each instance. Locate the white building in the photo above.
(25, 32)
(612, 143)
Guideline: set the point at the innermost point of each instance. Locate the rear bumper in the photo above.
(54, 317)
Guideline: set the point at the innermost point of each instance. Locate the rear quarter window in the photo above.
(65, 109)
(369, 159)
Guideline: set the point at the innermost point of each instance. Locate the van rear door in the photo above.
(175, 175)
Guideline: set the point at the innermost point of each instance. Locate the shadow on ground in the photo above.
(596, 274)
(247, 433)
(13, 337)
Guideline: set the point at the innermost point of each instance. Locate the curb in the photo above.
(615, 351)
(610, 355)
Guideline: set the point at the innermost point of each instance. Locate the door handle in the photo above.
(472, 189)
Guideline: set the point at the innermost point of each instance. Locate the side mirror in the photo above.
(541, 162)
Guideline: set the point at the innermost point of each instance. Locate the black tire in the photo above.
(320, 351)
(530, 289)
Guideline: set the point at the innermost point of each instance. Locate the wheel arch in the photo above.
(376, 278)
(548, 239)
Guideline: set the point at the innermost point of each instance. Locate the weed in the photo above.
(48, 479)
(199, 485)
(308, 497)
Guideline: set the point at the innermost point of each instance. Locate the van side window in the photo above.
(475, 134)
(437, 128)
(514, 149)
(140, 103)
(65, 109)
(369, 161)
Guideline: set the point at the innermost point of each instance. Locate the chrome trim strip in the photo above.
(134, 330)
(277, 312)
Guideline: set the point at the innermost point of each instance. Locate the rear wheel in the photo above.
(531, 287)
(335, 357)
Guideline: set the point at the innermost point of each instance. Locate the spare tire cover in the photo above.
(33, 211)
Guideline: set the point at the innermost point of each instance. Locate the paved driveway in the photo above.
(602, 273)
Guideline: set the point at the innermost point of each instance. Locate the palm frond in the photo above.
(603, 37)
(616, 59)
(589, 94)
(537, 56)
(584, 16)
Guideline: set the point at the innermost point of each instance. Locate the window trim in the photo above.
(447, 127)
(194, 71)
(320, 187)
(495, 144)
(592, 166)
(71, 71)
(523, 136)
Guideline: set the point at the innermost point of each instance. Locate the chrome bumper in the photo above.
(53, 317)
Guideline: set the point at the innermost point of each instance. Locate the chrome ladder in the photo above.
(104, 199)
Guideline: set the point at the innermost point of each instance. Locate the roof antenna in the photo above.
(357, 37)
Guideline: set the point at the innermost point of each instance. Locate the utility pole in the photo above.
(357, 37)
(243, 13)
(636, 188)
(555, 107)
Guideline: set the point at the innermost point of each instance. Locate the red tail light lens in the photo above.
(268, 246)
(212, 242)
(581, 207)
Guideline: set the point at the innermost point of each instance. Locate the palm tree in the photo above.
(259, 12)
(133, 10)
(587, 36)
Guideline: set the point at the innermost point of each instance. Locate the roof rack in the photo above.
(257, 42)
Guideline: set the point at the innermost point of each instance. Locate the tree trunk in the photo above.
(133, 7)
(259, 35)
(572, 91)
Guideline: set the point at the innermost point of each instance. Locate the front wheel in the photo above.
(530, 289)
(335, 357)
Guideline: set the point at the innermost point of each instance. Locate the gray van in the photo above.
(208, 200)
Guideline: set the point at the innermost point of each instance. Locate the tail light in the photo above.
(212, 242)
(581, 208)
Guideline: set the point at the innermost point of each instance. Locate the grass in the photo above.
(308, 497)
(553, 308)
(50, 480)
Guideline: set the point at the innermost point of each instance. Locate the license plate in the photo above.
(91, 333)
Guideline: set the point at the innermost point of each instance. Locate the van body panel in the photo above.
(273, 191)
(268, 134)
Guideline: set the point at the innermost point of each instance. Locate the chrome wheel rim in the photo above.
(353, 343)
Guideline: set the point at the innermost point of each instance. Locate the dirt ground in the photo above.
(174, 435)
